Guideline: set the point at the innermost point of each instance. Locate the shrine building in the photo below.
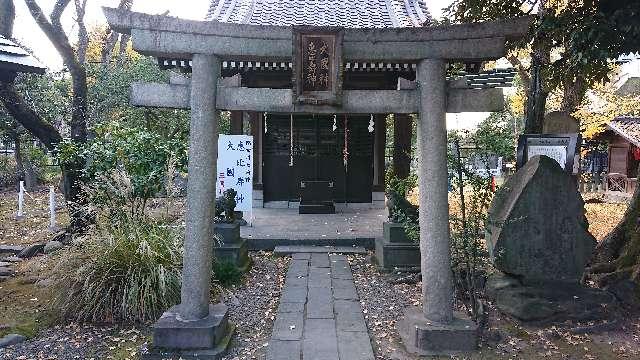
(295, 151)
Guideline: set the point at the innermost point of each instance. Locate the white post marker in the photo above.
(52, 209)
(20, 215)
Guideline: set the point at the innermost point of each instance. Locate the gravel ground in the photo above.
(383, 304)
(253, 306)
(75, 342)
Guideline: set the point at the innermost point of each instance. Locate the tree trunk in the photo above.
(536, 93)
(617, 257)
(7, 16)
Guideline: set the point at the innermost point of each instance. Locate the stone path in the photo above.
(319, 316)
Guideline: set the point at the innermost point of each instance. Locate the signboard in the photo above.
(317, 65)
(563, 148)
(235, 168)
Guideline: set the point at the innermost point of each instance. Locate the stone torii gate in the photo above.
(197, 328)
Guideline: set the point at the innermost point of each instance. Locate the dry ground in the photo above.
(23, 303)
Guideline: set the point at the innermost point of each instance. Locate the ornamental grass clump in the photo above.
(129, 271)
(127, 267)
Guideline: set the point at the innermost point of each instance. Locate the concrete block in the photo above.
(397, 255)
(424, 337)
(169, 332)
(235, 253)
(228, 233)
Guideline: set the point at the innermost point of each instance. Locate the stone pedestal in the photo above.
(395, 249)
(425, 337)
(206, 338)
(232, 248)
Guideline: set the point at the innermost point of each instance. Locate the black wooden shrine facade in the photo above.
(318, 155)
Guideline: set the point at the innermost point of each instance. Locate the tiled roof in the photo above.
(628, 128)
(344, 13)
(14, 58)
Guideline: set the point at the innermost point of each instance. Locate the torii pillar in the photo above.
(196, 328)
(435, 329)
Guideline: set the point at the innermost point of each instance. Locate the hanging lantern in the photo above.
(371, 124)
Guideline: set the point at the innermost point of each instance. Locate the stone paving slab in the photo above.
(298, 268)
(349, 316)
(284, 350)
(340, 269)
(292, 281)
(319, 260)
(320, 277)
(285, 250)
(289, 307)
(320, 303)
(294, 294)
(354, 345)
(319, 315)
(344, 289)
(320, 340)
(288, 326)
(301, 256)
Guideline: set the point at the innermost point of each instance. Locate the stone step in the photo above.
(13, 249)
(294, 249)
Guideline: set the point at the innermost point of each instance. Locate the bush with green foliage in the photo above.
(125, 271)
(226, 273)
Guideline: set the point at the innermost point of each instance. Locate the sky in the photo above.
(29, 34)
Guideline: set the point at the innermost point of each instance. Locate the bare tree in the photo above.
(36, 125)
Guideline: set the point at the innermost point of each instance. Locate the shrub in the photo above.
(226, 273)
(126, 271)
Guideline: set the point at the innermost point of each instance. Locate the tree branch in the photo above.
(53, 30)
(83, 35)
(27, 117)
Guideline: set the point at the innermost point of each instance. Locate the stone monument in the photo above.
(229, 246)
(558, 122)
(394, 249)
(538, 239)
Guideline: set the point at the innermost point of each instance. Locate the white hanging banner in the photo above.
(235, 168)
